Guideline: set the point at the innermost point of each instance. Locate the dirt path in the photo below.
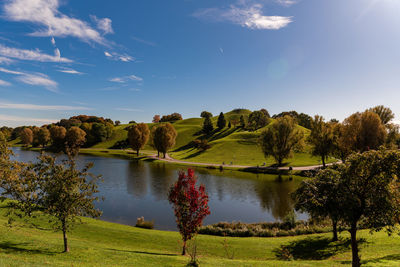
(169, 159)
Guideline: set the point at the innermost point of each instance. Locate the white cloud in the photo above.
(126, 79)
(246, 16)
(8, 118)
(5, 60)
(57, 53)
(4, 83)
(34, 55)
(45, 13)
(5, 105)
(53, 41)
(129, 109)
(70, 71)
(39, 79)
(103, 24)
(286, 2)
(119, 57)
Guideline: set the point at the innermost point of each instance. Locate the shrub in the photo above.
(141, 223)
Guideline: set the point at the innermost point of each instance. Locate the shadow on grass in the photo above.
(9, 247)
(393, 257)
(143, 252)
(313, 248)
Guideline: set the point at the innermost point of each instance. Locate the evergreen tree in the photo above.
(221, 121)
(207, 125)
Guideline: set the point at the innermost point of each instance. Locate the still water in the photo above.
(135, 188)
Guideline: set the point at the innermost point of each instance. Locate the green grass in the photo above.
(99, 243)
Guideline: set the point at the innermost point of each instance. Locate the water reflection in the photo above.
(133, 189)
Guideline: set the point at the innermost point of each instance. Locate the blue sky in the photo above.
(128, 60)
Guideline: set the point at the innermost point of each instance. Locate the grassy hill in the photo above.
(228, 145)
(99, 243)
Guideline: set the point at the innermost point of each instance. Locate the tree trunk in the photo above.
(64, 229)
(354, 245)
(158, 153)
(323, 161)
(164, 154)
(334, 226)
(184, 248)
(137, 152)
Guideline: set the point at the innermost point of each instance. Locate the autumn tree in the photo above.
(221, 123)
(43, 136)
(57, 135)
(280, 139)
(138, 135)
(163, 137)
(156, 119)
(190, 205)
(319, 197)
(321, 138)
(384, 113)
(74, 139)
(26, 136)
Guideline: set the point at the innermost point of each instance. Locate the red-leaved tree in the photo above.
(190, 205)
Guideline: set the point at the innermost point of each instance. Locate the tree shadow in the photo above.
(314, 248)
(143, 252)
(9, 247)
(393, 257)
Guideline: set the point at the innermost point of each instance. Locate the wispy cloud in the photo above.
(143, 41)
(5, 60)
(39, 79)
(126, 79)
(8, 118)
(45, 13)
(5, 105)
(70, 71)
(287, 2)
(248, 16)
(129, 109)
(33, 55)
(103, 24)
(118, 57)
(4, 83)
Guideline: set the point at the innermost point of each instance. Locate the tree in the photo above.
(221, 123)
(206, 114)
(384, 113)
(117, 123)
(74, 139)
(229, 125)
(257, 120)
(319, 197)
(321, 138)
(66, 193)
(280, 139)
(43, 136)
(138, 135)
(163, 137)
(156, 119)
(26, 136)
(372, 132)
(242, 122)
(190, 205)
(201, 144)
(57, 134)
(266, 113)
(171, 118)
(369, 192)
(208, 125)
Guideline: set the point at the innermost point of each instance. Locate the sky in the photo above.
(129, 60)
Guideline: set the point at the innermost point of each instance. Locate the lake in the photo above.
(135, 188)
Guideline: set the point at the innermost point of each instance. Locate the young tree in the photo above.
(163, 137)
(221, 123)
(280, 139)
(138, 136)
(319, 197)
(43, 136)
(74, 139)
(229, 124)
(321, 138)
(190, 205)
(384, 113)
(156, 119)
(57, 135)
(26, 136)
(66, 193)
(207, 125)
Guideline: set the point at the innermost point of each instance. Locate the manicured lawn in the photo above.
(99, 243)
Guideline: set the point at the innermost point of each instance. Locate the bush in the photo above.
(141, 223)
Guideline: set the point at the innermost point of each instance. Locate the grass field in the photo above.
(99, 243)
(230, 145)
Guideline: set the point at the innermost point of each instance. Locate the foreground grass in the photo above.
(99, 243)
